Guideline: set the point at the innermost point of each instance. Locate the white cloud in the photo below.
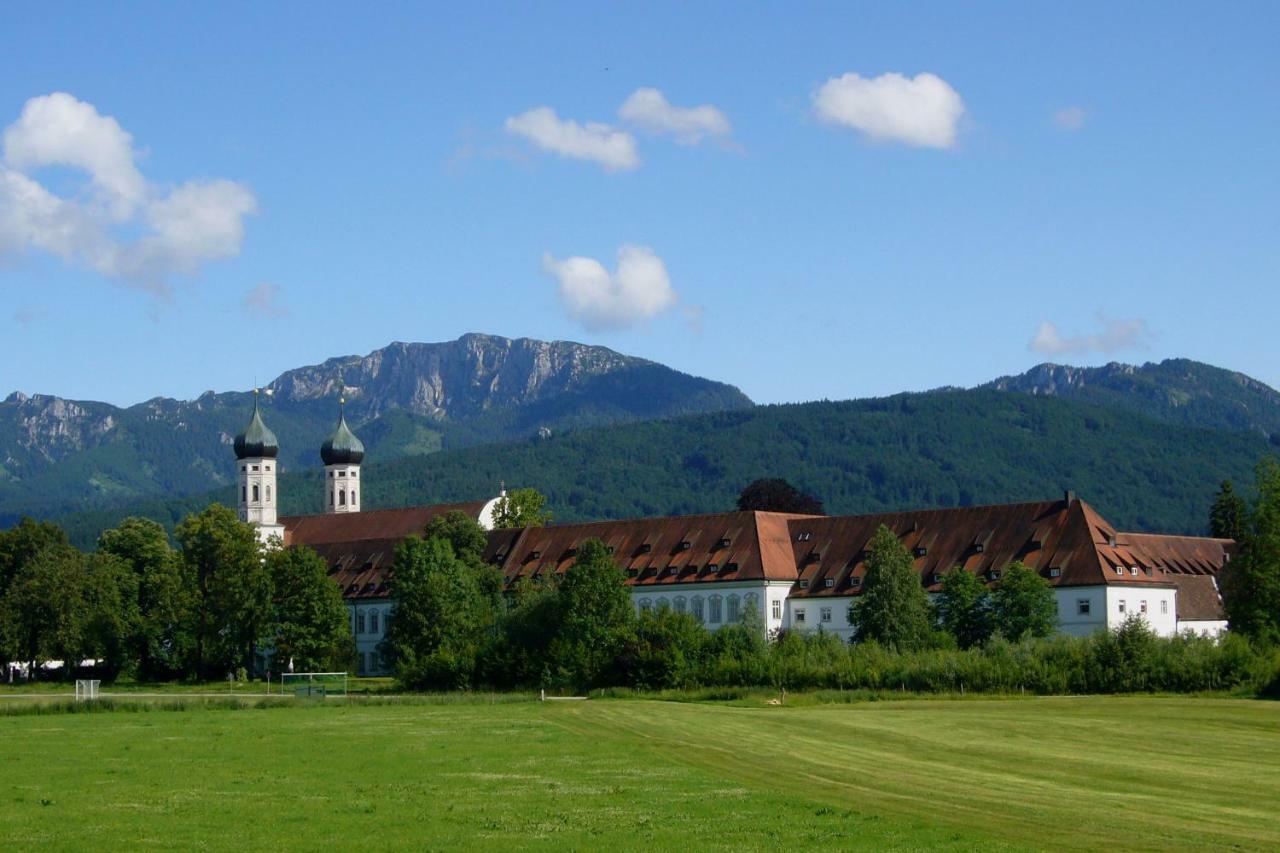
(649, 110)
(264, 300)
(613, 149)
(1070, 118)
(638, 290)
(1112, 336)
(923, 110)
(172, 231)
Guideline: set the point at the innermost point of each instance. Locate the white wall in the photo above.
(1071, 600)
(806, 614)
(362, 615)
(342, 488)
(1161, 607)
(1203, 627)
(687, 597)
(259, 474)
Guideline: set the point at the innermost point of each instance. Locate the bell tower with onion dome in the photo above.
(342, 453)
(256, 451)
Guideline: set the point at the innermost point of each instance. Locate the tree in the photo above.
(1251, 580)
(18, 546)
(441, 619)
(521, 508)
(892, 609)
(309, 618)
(777, 495)
(45, 609)
(159, 644)
(1023, 605)
(1228, 514)
(964, 608)
(666, 650)
(597, 617)
(461, 531)
(231, 590)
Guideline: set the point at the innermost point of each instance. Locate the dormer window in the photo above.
(713, 568)
(685, 545)
(1120, 570)
(921, 551)
(935, 578)
(994, 574)
(1133, 570)
(855, 582)
(804, 537)
(1055, 572)
(646, 548)
(723, 543)
(829, 583)
(804, 584)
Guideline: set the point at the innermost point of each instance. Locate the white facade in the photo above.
(256, 498)
(342, 488)
(369, 628)
(1203, 627)
(715, 604)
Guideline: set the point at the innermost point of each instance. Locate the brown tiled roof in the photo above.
(665, 550)
(1198, 598)
(1066, 541)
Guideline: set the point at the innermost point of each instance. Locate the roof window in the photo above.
(829, 582)
(685, 545)
(645, 548)
(804, 537)
(804, 584)
(921, 551)
(855, 582)
(994, 574)
(730, 567)
(1055, 572)
(723, 543)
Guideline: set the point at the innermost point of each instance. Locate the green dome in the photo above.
(257, 441)
(342, 448)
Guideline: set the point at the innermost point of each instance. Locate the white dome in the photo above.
(486, 514)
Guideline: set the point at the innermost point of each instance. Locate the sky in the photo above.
(809, 201)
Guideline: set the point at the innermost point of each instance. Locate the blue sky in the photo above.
(304, 181)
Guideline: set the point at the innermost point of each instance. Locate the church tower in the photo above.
(256, 450)
(342, 453)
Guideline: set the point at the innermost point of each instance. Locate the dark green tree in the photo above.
(441, 619)
(964, 608)
(531, 621)
(666, 650)
(1229, 513)
(230, 614)
(309, 618)
(597, 617)
(893, 609)
(777, 495)
(111, 619)
(1251, 581)
(463, 533)
(521, 508)
(45, 608)
(20, 543)
(1023, 605)
(160, 645)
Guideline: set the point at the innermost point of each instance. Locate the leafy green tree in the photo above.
(1228, 514)
(160, 645)
(777, 495)
(1251, 581)
(463, 533)
(964, 608)
(230, 614)
(666, 650)
(893, 609)
(1023, 605)
(441, 619)
(597, 617)
(45, 608)
(531, 621)
(521, 508)
(20, 543)
(309, 617)
(111, 618)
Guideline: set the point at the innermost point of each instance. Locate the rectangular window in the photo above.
(799, 615)
(697, 609)
(1142, 606)
(777, 609)
(825, 614)
(733, 608)
(1082, 606)
(715, 611)
(1164, 607)
(1122, 605)
(359, 623)
(373, 622)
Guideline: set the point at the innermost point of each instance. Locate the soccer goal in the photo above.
(314, 685)
(86, 688)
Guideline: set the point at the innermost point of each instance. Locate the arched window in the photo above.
(645, 605)
(698, 612)
(353, 497)
(268, 494)
(373, 622)
(359, 621)
(734, 614)
(663, 604)
(342, 497)
(715, 610)
(680, 604)
(255, 493)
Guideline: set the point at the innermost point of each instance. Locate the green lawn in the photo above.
(975, 774)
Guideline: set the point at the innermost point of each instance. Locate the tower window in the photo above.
(331, 499)
(353, 497)
(268, 494)
(342, 473)
(244, 494)
(342, 497)
(255, 467)
(256, 497)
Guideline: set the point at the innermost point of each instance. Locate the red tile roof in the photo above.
(1198, 598)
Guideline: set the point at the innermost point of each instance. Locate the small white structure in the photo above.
(342, 454)
(256, 450)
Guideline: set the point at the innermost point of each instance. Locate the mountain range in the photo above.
(606, 435)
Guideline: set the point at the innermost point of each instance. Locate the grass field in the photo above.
(1140, 773)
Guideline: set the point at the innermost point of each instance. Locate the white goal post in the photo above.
(315, 685)
(87, 688)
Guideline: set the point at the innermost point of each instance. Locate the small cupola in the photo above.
(256, 441)
(342, 448)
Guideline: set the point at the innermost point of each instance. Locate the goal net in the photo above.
(86, 688)
(315, 685)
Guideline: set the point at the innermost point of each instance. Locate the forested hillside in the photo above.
(907, 451)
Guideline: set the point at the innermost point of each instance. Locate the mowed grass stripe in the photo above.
(1080, 772)
(394, 777)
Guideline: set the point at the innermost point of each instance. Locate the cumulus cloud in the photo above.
(638, 290)
(1070, 118)
(923, 110)
(604, 144)
(649, 110)
(264, 300)
(170, 230)
(1112, 335)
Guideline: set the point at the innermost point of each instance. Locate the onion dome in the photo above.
(257, 441)
(342, 448)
